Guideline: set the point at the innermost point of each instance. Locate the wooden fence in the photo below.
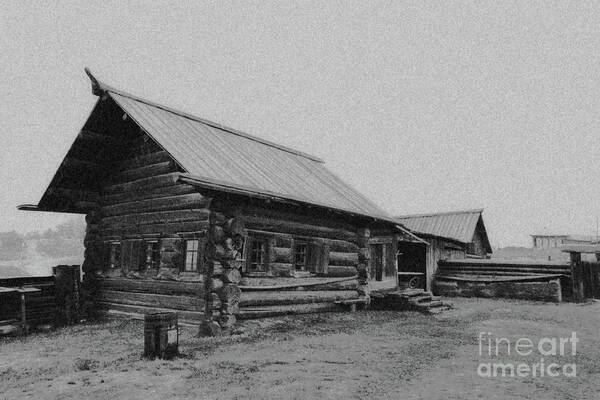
(56, 302)
(550, 281)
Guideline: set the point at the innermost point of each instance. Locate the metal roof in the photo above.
(212, 153)
(220, 155)
(456, 225)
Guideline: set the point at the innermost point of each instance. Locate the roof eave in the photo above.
(266, 195)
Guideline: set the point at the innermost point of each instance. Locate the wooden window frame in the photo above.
(200, 237)
(304, 265)
(195, 255)
(265, 240)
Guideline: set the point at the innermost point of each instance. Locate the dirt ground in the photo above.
(374, 354)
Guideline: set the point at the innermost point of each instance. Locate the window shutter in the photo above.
(179, 256)
(202, 241)
(325, 259)
(126, 250)
(138, 255)
(319, 256)
(104, 255)
(246, 251)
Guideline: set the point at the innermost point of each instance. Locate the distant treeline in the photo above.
(64, 240)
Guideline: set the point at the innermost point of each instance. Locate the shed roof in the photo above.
(459, 226)
(214, 154)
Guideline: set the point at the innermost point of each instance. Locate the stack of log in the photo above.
(222, 274)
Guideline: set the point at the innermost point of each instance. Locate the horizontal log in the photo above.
(338, 258)
(144, 184)
(300, 229)
(494, 270)
(145, 172)
(505, 267)
(282, 254)
(138, 230)
(250, 299)
(174, 288)
(142, 310)
(299, 215)
(155, 193)
(146, 159)
(189, 303)
(341, 246)
(312, 283)
(181, 202)
(157, 217)
(483, 273)
(293, 309)
(341, 270)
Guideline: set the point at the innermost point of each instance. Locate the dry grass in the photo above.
(378, 354)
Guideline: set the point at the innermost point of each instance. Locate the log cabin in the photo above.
(186, 214)
(451, 235)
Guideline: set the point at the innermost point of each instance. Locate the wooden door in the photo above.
(591, 277)
(378, 259)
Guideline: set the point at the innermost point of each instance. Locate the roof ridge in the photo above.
(98, 88)
(473, 211)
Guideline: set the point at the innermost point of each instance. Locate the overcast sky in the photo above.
(421, 106)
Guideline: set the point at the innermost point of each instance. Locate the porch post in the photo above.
(364, 255)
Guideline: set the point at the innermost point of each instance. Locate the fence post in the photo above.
(577, 277)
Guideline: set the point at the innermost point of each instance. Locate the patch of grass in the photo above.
(86, 364)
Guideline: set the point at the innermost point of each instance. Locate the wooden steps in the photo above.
(411, 299)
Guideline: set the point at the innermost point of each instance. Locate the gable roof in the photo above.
(455, 225)
(225, 158)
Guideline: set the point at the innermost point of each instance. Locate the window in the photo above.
(152, 254)
(191, 255)
(256, 255)
(301, 256)
(115, 254)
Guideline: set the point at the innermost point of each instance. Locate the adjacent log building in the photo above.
(186, 214)
(451, 235)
